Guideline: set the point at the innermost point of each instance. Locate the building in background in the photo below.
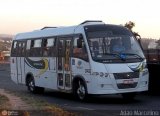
(6, 55)
(5, 46)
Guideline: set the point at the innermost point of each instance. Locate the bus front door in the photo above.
(63, 64)
(20, 61)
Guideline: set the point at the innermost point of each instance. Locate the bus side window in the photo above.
(28, 46)
(36, 50)
(19, 51)
(45, 48)
(14, 48)
(48, 47)
(23, 52)
(31, 48)
(79, 48)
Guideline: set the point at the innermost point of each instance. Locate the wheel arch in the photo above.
(28, 75)
(75, 80)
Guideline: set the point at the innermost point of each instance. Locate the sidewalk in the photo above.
(16, 102)
(19, 107)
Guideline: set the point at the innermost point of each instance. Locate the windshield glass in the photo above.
(113, 44)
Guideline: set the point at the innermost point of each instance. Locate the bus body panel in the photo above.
(13, 65)
(43, 77)
(104, 80)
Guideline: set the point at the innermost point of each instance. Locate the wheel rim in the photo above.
(31, 85)
(81, 91)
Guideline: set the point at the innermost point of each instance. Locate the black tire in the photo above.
(129, 96)
(31, 86)
(80, 90)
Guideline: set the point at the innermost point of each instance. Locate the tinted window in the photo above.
(35, 50)
(14, 48)
(79, 49)
(110, 43)
(49, 48)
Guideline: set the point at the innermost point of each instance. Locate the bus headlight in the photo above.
(144, 64)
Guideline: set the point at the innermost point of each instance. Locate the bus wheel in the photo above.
(80, 90)
(32, 88)
(128, 96)
(31, 84)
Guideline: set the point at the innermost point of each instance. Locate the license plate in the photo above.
(128, 81)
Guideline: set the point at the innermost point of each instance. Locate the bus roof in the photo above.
(46, 32)
(54, 31)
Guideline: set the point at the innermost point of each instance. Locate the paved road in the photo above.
(101, 105)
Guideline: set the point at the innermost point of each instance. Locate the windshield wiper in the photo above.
(123, 56)
(120, 56)
(135, 55)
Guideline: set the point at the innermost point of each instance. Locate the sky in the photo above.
(18, 16)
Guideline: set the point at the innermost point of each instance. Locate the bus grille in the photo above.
(129, 75)
(126, 86)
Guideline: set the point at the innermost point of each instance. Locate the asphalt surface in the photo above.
(108, 105)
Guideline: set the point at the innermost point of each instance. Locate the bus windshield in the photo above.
(113, 44)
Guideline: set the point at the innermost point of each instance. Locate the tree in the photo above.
(158, 41)
(130, 25)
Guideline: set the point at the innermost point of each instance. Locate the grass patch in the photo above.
(32, 101)
(38, 104)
